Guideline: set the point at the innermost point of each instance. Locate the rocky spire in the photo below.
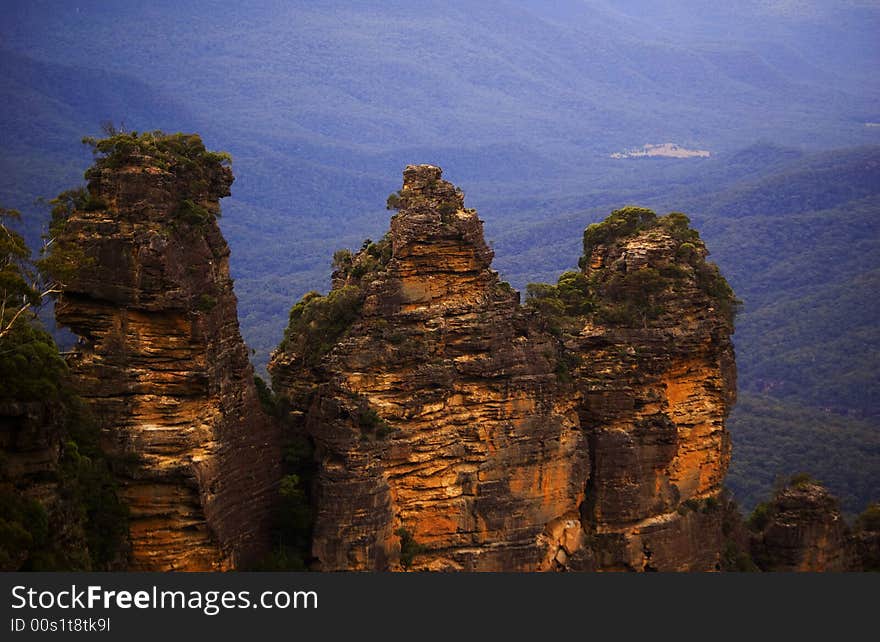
(160, 359)
(458, 430)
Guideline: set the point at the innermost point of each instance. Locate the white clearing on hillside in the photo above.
(665, 150)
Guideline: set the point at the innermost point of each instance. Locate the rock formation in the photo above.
(866, 539)
(802, 529)
(160, 360)
(455, 429)
(656, 379)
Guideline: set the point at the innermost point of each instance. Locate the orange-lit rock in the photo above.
(162, 364)
(447, 409)
(480, 447)
(656, 392)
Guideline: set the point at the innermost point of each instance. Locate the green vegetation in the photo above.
(172, 152)
(24, 528)
(293, 518)
(294, 505)
(631, 298)
(32, 370)
(16, 271)
(679, 227)
(867, 526)
(372, 424)
(695, 505)
(761, 516)
(268, 400)
(206, 303)
(317, 322)
(629, 221)
(801, 248)
(716, 287)
(763, 513)
(395, 201)
(342, 260)
(192, 213)
(869, 520)
(798, 238)
(566, 362)
(788, 230)
(182, 155)
(504, 288)
(573, 292)
(30, 366)
(324, 161)
(734, 560)
(560, 305)
(61, 258)
(447, 209)
(18, 288)
(542, 298)
(77, 199)
(773, 439)
(735, 554)
(372, 258)
(801, 480)
(89, 482)
(409, 547)
(808, 334)
(620, 224)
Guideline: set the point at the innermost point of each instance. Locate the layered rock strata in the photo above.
(161, 362)
(458, 430)
(655, 390)
(438, 414)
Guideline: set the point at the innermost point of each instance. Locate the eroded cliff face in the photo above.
(458, 430)
(161, 362)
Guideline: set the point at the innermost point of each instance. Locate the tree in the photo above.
(25, 283)
(30, 367)
(20, 283)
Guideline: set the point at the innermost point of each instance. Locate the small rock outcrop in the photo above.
(160, 360)
(456, 429)
(802, 529)
(866, 538)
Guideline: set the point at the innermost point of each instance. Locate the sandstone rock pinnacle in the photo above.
(160, 359)
(456, 429)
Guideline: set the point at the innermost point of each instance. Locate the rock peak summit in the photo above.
(456, 429)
